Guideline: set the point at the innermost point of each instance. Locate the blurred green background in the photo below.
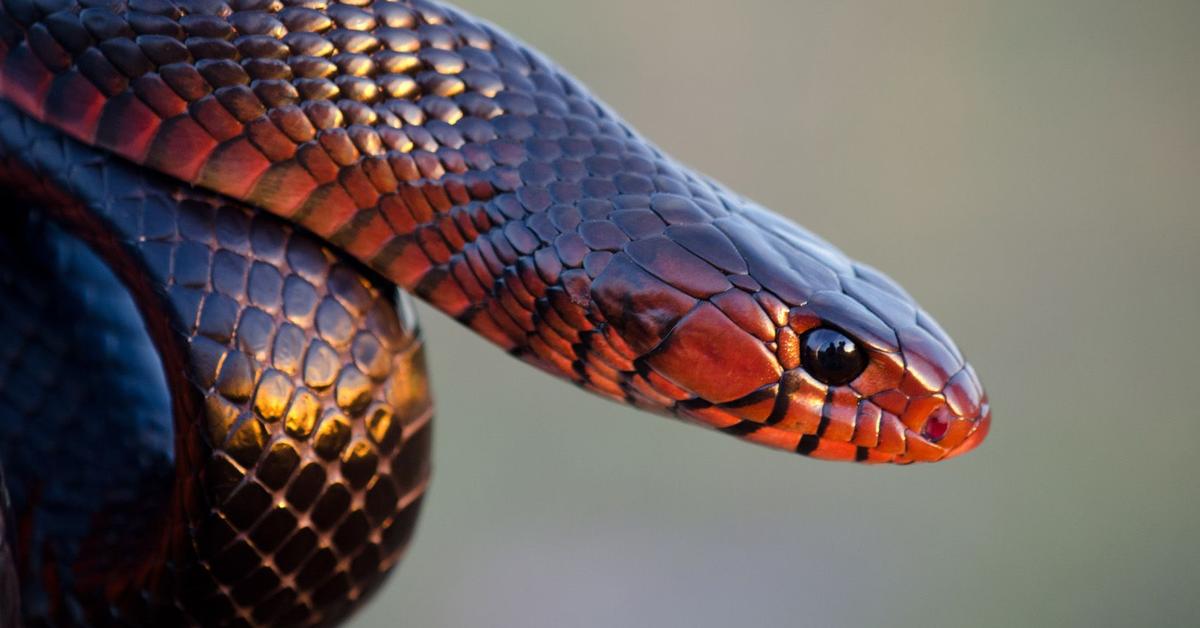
(1030, 171)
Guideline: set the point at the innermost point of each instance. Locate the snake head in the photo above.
(752, 325)
(873, 378)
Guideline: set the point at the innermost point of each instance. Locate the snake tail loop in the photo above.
(206, 414)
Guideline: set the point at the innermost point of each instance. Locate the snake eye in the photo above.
(832, 357)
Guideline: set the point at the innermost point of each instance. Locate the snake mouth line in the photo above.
(773, 416)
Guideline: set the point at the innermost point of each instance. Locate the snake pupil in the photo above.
(832, 357)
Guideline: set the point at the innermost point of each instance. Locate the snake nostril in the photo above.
(938, 424)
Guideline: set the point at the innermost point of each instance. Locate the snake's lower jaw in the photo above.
(910, 423)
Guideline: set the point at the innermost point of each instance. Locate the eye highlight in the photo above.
(831, 356)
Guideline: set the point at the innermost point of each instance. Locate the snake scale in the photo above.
(213, 400)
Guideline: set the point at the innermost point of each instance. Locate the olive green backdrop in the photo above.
(1030, 171)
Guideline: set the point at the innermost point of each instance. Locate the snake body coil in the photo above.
(210, 411)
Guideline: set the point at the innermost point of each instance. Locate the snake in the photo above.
(214, 400)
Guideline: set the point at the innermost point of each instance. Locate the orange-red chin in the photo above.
(895, 443)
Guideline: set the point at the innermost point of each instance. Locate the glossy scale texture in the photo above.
(456, 162)
(300, 410)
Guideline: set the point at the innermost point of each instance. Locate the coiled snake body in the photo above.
(213, 406)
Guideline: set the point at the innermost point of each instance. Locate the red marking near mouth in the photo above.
(936, 427)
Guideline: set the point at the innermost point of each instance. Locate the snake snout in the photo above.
(947, 423)
(963, 420)
(982, 426)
